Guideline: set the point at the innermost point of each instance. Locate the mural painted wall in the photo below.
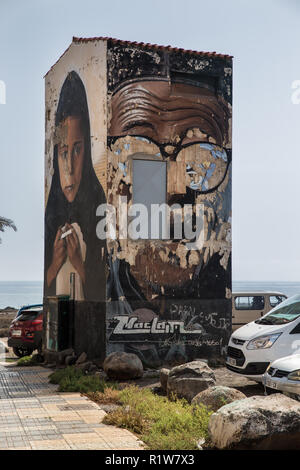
(168, 303)
(75, 181)
(149, 124)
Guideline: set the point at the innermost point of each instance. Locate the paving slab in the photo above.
(34, 416)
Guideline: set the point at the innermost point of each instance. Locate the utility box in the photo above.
(58, 323)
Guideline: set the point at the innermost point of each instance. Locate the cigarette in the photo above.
(65, 234)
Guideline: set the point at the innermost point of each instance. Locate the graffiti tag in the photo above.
(192, 342)
(132, 325)
(185, 312)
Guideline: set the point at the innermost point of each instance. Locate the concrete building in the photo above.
(130, 127)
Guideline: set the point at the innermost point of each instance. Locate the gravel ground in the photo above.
(223, 377)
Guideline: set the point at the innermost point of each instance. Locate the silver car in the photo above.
(284, 375)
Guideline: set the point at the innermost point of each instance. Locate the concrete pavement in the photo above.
(33, 415)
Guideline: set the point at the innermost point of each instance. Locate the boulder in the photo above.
(82, 358)
(260, 422)
(164, 374)
(63, 354)
(70, 360)
(187, 380)
(216, 397)
(123, 366)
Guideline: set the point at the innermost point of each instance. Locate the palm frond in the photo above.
(6, 223)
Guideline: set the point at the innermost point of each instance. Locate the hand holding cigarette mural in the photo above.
(74, 196)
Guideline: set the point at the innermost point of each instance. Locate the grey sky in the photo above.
(264, 37)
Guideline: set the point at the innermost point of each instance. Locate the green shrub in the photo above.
(84, 384)
(67, 373)
(162, 424)
(28, 361)
(128, 419)
(72, 379)
(110, 395)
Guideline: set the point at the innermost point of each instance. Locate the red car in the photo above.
(25, 331)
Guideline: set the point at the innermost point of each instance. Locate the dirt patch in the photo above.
(228, 379)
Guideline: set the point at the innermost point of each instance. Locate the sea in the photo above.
(18, 293)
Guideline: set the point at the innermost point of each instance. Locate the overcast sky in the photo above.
(263, 36)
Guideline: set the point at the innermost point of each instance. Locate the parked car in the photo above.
(249, 306)
(29, 307)
(284, 375)
(25, 331)
(254, 346)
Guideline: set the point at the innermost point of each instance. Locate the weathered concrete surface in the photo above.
(187, 380)
(216, 397)
(120, 365)
(262, 423)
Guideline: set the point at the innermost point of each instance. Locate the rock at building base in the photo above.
(123, 366)
(82, 358)
(70, 360)
(257, 423)
(218, 396)
(63, 354)
(187, 380)
(164, 374)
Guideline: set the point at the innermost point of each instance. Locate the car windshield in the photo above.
(286, 312)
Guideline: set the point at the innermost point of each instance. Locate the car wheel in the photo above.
(21, 352)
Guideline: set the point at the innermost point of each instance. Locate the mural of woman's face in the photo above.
(70, 155)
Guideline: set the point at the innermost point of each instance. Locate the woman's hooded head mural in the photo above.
(71, 244)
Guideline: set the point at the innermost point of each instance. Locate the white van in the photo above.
(249, 306)
(254, 346)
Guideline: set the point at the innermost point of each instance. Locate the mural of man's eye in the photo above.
(129, 145)
(206, 166)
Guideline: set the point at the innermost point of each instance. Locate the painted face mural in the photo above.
(70, 156)
(71, 241)
(162, 292)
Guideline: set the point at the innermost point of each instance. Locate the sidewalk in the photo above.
(33, 415)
